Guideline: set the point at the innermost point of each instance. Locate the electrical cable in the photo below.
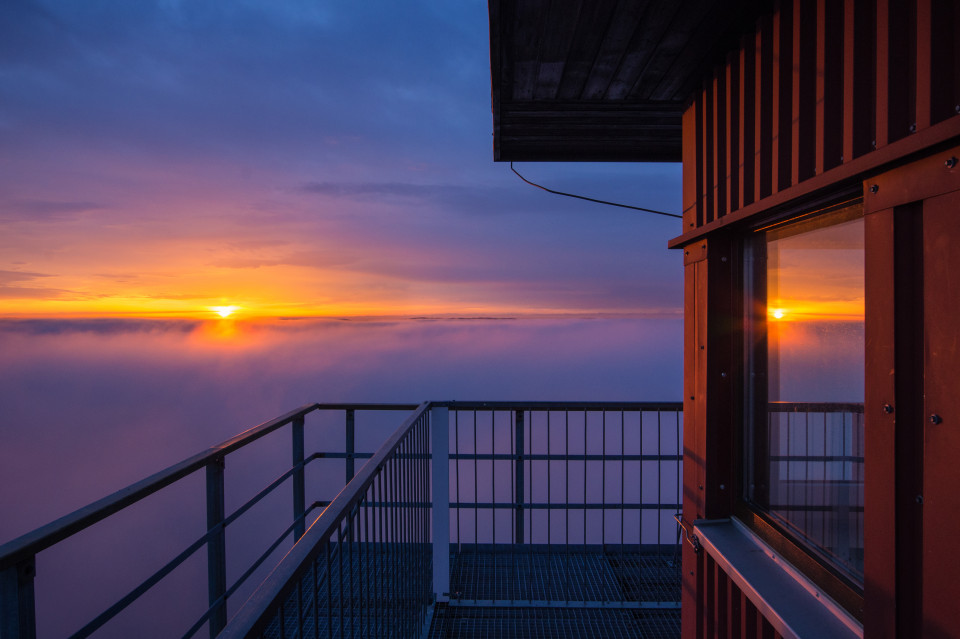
(590, 199)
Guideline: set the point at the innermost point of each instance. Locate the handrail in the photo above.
(814, 407)
(275, 587)
(553, 405)
(42, 538)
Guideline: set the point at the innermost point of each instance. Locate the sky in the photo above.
(295, 159)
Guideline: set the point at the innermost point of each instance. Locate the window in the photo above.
(803, 446)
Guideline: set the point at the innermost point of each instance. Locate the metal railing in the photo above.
(366, 565)
(565, 504)
(816, 476)
(542, 504)
(18, 557)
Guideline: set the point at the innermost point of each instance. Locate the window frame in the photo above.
(834, 582)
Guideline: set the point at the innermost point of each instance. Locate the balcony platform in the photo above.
(502, 591)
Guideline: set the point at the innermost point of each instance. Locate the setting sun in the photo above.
(224, 311)
(777, 313)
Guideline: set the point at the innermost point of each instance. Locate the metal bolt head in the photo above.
(913, 128)
(936, 419)
(887, 408)
(919, 499)
(874, 188)
(950, 163)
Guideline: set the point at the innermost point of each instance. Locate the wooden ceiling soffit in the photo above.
(601, 80)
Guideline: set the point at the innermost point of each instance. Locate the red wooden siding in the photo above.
(723, 610)
(817, 85)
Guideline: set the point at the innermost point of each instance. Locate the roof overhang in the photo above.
(602, 80)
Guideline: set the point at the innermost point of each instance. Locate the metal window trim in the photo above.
(795, 606)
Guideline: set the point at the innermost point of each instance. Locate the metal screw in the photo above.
(919, 499)
(952, 162)
(913, 128)
(723, 487)
(935, 419)
(887, 408)
(874, 188)
(723, 259)
(957, 108)
(723, 374)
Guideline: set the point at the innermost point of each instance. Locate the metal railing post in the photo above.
(518, 476)
(17, 611)
(350, 442)
(216, 547)
(299, 491)
(440, 472)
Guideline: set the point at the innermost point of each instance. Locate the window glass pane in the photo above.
(805, 397)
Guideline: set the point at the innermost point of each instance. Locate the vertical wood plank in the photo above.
(747, 129)
(783, 96)
(879, 486)
(708, 142)
(803, 90)
(859, 78)
(763, 167)
(944, 60)
(941, 410)
(691, 207)
(732, 119)
(924, 40)
(882, 135)
(720, 143)
(829, 135)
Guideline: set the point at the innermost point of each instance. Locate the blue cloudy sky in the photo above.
(294, 158)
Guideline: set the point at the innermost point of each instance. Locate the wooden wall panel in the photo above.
(732, 108)
(747, 118)
(816, 85)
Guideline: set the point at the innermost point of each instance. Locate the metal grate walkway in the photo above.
(461, 622)
(548, 591)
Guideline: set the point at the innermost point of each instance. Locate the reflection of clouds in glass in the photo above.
(819, 361)
(818, 273)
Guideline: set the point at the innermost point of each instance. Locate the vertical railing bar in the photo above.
(364, 562)
(395, 532)
(350, 443)
(603, 500)
(351, 536)
(403, 483)
(456, 445)
(583, 546)
(476, 497)
(316, 600)
(493, 493)
(216, 547)
(513, 510)
(283, 621)
(299, 592)
(350, 439)
(659, 495)
(438, 438)
(623, 472)
(549, 513)
(566, 499)
(531, 556)
(378, 575)
(340, 598)
(299, 490)
(17, 600)
(328, 573)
